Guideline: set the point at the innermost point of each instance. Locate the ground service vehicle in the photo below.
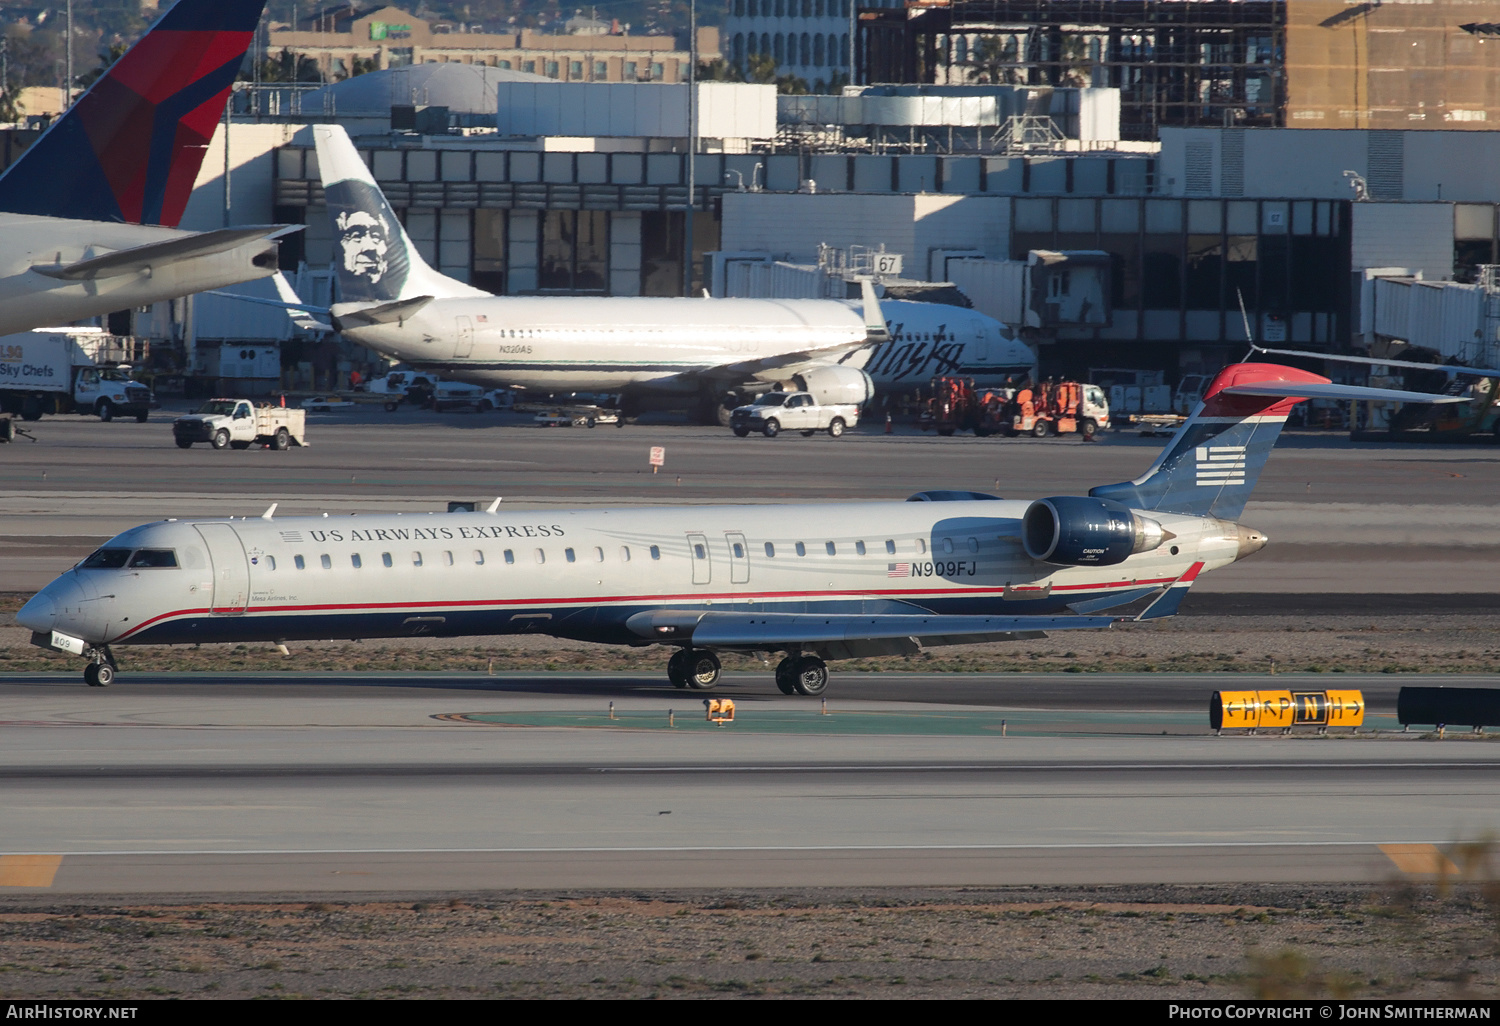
(956, 405)
(776, 412)
(1060, 407)
(238, 424)
(48, 369)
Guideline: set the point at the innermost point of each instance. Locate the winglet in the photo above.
(874, 319)
(1166, 604)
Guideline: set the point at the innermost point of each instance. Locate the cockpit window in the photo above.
(154, 557)
(107, 559)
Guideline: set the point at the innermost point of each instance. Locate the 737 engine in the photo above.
(836, 385)
(1077, 531)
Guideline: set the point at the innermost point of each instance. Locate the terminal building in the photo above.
(525, 184)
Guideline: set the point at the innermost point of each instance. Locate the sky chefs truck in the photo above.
(49, 370)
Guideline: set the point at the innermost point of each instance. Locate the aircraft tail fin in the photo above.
(1210, 466)
(375, 260)
(130, 148)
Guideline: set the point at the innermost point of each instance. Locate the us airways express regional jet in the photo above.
(816, 583)
(643, 347)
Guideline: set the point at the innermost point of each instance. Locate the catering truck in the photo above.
(51, 370)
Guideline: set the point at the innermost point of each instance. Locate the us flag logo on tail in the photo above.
(898, 569)
(1220, 464)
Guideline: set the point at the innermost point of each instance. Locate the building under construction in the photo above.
(1211, 63)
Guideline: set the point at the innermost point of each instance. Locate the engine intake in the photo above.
(1077, 531)
(836, 384)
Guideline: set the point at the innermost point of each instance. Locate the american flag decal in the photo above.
(291, 536)
(1220, 464)
(898, 569)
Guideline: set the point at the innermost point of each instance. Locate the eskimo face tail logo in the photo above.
(372, 260)
(1220, 465)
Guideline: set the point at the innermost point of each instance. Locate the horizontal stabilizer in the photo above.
(1375, 361)
(385, 313)
(141, 259)
(1312, 390)
(756, 630)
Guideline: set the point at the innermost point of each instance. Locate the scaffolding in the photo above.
(1176, 62)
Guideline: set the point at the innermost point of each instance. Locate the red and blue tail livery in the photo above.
(130, 148)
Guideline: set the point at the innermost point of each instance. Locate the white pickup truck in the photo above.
(238, 424)
(776, 412)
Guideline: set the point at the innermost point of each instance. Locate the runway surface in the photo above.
(378, 786)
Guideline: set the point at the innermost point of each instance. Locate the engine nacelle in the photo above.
(836, 384)
(1074, 530)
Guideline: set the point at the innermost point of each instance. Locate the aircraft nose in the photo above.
(39, 614)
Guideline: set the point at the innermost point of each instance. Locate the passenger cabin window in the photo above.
(948, 545)
(326, 560)
(699, 552)
(829, 547)
(541, 557)
(416, 559)
(270, 562)
(655, 552)
(478, 558)
(300, 562)
(859, 548)
(598, 554)
(624, 553)
(447, 558)
(385, 557)
(973, 544)
(921, 545)
(568, 555)
(801, 549)
(510, 556)
(153, 557)
(890, 546)
(107, 559)
(354, 559)
(770, 551)
(739, 550)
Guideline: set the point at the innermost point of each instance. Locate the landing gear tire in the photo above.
(98, 675)
(677, 671)
(772, 428)
(786, 675)
(221, 439)
(810, 676)
(282, 440)
(836, 427)
(702, 669)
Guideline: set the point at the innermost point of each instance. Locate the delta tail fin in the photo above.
(375, 260)
(1210, 466)
(129, 150)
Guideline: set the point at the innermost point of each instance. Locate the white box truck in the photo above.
(47, 370)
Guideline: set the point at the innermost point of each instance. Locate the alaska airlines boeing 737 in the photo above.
(87, 214)
(643, 347)
(816, 583)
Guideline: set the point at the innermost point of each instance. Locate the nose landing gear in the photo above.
(101, 672)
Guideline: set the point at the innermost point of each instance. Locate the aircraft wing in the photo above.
(141, 259)
(847, 635)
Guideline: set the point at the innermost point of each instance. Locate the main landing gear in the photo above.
(802, 675)
(698, 669)
(101, 672)
(695, 668)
